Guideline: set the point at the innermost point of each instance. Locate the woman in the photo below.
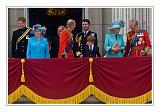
(55, 43)
(66, 40)
(114, 43)
(38, 45)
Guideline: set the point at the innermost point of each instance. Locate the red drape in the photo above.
(51, 78)
(14, 72)
(123, 77)
(62, 78)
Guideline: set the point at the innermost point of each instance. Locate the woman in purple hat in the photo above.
(38, 45)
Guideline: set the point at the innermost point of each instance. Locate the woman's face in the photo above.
(37, 33)
(116, 31)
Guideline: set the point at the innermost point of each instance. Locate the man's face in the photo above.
(89, 43)
(132, 26)
(21, 24)
(85, 26)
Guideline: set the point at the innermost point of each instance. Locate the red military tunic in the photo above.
(141, 43)
(65, 40)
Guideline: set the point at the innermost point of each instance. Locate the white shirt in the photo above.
(91, 47)
(85, 32)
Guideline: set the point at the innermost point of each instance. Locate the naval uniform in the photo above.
(19, 42)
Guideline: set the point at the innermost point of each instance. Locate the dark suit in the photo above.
(19, 49)
(83, 41)
(91, 53)
(54, 47)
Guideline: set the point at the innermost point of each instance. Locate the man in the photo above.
(138, 42)
(20, 39)
(66, 40)
(81, 37)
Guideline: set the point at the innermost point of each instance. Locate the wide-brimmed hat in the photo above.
(39, 27)
(116, 24)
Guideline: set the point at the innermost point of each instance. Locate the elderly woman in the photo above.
(38, 45)
(114, 43)
(66, 40)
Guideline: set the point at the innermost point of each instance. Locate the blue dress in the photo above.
(110, 40)
(37, 48)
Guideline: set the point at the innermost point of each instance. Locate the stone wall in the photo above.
(13, 14)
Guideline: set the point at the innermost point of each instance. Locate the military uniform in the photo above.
(66, 44)
(19, 42)
(137, 42)
(81, 39)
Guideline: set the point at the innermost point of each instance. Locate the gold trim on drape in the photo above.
(78, 98)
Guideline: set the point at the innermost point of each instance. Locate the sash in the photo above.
(134, 41)
(137, 36)
(23, 35)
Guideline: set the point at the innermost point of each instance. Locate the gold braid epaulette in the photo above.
(78, 37)
(23, 35)
(131, 39)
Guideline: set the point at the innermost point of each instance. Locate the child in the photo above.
(91, 50)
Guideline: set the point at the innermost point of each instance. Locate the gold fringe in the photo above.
(15, 95)
(91, 89)
(142, 99)
(23, 90)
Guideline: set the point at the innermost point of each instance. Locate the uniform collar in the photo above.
(23, 28)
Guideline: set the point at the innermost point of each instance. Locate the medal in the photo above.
(143, 42)
(140, 39)
(139, 42)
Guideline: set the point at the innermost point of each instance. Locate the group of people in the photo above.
(31, 42)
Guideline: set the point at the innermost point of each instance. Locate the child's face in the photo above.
(90, 43)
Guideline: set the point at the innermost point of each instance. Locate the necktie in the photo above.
(90, 48)
(85, 33)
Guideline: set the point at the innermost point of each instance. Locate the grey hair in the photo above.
(134, 21)
(70, 22)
